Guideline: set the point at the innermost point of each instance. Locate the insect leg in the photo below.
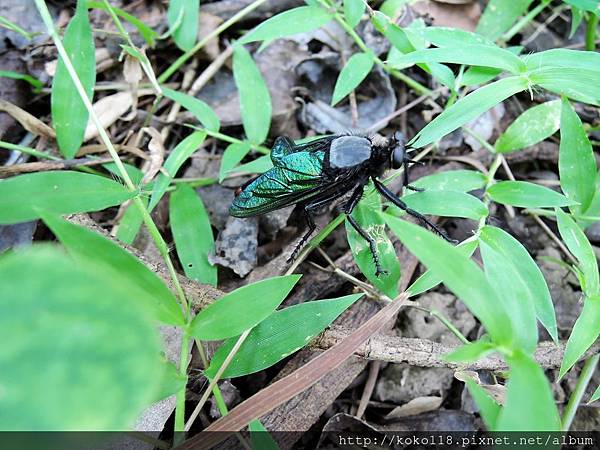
(400, 204)
(405, 181)
(354, 199)
(308, 209)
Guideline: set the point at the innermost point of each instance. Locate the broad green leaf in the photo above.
(478, 75)
(37, 84)
(65, 192)
(529, 402)
(499, 16)
(255, 101)
(353, 11)
(69, 114)
(537, 293)
(564, 58)
(594, 208)
(393, 8)
(475, 55)
(145, 31)
(460, 275)
(578, 244)
(232, 155)
(178, 156)
(452, 180)
(488, 408)
(587, 5)
(354, 72)
(95, 348)
(130, 223)
(471, 352)
(367, 214)
(242, 309)
(204, 113)
(578, 84)
(446, 204)
(260, 437)
(468, 108)
(193, 234)
(595, 396)
(576, 161)
(183, 18)
(143, 284)
(502, 273)
(585, 332)
(430, 280)
(531, 127)
(282, 333)
(293, 21)
(526, 195)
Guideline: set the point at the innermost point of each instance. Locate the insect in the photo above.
(324, 170)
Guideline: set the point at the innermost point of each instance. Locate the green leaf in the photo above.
(452, 37)
(576, 161)
(178, 156)
(144, 285)
(430, 280)
(95, 347)
(468, 108)
(563, 58)
(576, 18)
(232, 155)
(475, 55)
(183, 16)
(255, 101)
(531, 127)
(353, 11)
(585, 332)
(537, 293)
(578, 244)
(37, 84)
(499, 16)
(595, 396)
(488, 408)
(193, 234)
(529, 402)
(578, 84)
(502, 273)
(594, 209)
(460, 275)
(452, 180)
(130, 223)
(145, 31)
(242, 309)
(526, 195)
(354, 72)
(204, 113)
(478, 75)
(282, 333)
(367, 214)
(65, 192)
(172, 381)
(293, 21)
(587, 5)
(260, 437)
(69, 114)
(470, 352)
(135, 174)
(446, 204)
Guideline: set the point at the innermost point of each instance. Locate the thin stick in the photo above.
(582, 382)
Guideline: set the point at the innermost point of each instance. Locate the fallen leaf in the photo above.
(29, 122)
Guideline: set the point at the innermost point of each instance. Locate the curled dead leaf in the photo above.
(28, 121)
(496, 391)
(157, 154)
(415, 407)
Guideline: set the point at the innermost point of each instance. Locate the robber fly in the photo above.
(319, 172)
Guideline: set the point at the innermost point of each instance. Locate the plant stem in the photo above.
(202, 42)
(439, 316)
(524, 21)
(590, 33)
(582, 382)
(180, 396)
(28, 151)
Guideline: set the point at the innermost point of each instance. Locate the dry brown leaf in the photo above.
(416, 406)
(109, 109)
(29, 122)
(463, 16)
(157, 154)
(496, 391)
(132, 73)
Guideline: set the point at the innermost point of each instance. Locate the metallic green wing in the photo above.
(295, 178)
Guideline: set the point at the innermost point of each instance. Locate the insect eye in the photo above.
(398, 156)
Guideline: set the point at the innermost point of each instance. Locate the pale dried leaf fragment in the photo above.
(28, 121)
(132, 73)
(416, 406)
(496, 391)
(157, 154)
